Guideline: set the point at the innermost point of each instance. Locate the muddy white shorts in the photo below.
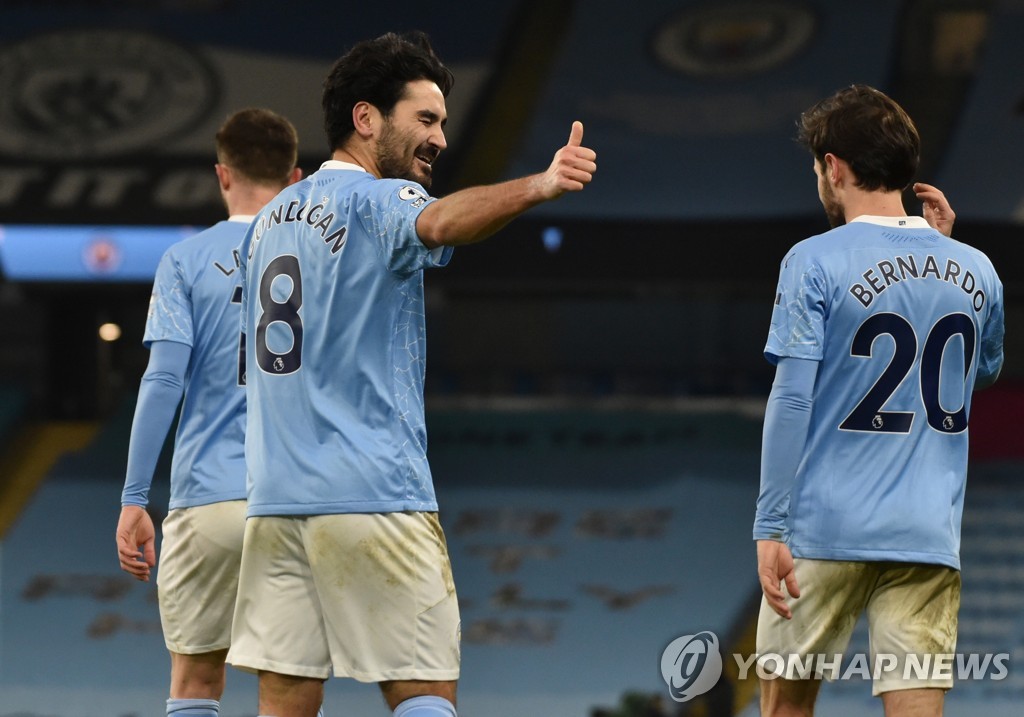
(912, 621)
(197, 575)
(369, 595)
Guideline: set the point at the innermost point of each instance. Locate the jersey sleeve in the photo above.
(160, 393)
(991, 355)
(389, 214)
(243, 272)
(786, 426)
(170, 305)
(798, 319)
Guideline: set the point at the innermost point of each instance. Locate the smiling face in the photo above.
(413, 134)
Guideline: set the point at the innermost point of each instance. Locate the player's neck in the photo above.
(358, 156)
(249, 201)
(875, 204)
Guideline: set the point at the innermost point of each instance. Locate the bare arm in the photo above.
(473, 214)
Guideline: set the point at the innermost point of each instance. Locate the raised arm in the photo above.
(473, 214)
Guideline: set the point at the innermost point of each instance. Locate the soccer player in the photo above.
(193, 336)
(344, 566)
(881, 329)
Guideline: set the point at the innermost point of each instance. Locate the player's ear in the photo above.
(295, 176)
(366, 119)
(223, 176)
(834, 169)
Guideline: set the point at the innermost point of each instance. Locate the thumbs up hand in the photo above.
(572, 168)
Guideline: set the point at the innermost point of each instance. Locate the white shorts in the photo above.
(197, 577)
(912, 618)
(370, 595)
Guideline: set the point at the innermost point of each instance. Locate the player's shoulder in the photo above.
(403, 190)
(226, 231)
(840, 242)
(331, 176)
(972, 251)
(812, 249)
(336, 176)
(212, 242)
(329, 186)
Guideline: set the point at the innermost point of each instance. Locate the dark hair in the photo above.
(260, 145)
(377, 71)
(868, 130)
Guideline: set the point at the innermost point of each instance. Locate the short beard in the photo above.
(392, 161)
(833, 210)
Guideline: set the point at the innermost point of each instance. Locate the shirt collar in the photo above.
(895, 222)
(338, 164)
(247, 218)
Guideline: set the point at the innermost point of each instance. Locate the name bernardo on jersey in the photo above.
(885, 273)
(295, 211)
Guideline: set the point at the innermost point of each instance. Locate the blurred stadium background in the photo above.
(595, 381)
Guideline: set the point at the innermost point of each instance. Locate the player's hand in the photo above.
(572, 168)
(135, 534)
(935, 208)
(775, 566)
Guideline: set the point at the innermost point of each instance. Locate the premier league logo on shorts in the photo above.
(691, 665)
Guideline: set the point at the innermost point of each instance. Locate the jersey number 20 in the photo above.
(868, 415)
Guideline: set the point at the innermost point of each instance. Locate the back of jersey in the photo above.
(195, 302)
(335, 347)
(902, 321)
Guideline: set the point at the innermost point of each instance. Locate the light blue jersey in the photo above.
(196, 301)
(335, 344)
(901, 320)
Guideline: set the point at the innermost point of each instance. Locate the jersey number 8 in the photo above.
(280, 311)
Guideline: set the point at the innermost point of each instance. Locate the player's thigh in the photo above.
(833, 594)
(912, 618)
(389, 601)
(278, 623)
(197, 579)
